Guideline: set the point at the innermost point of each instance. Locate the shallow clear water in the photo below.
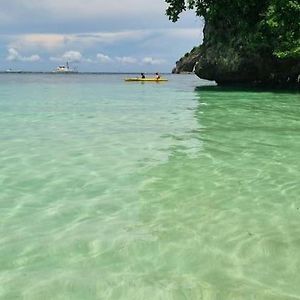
(114, 190)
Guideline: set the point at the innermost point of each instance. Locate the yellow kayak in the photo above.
(146, 79)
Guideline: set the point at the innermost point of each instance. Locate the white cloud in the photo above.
(112, 37)
(38, 41)
(81, 41)
(73, 57)
(102, 58)
(127, 60)
(136, 31)
(153, 61)
(70, 56)
(53, 42)
(87, 60)
(14, 55)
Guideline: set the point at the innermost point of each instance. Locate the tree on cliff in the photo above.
(247, 33)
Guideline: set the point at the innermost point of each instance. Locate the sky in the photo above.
(94, 35)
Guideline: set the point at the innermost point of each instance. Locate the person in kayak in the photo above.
(157, 76)
(143, 75)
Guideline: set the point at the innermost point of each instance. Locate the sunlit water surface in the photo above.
(114, 190)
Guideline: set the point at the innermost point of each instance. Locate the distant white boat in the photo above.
(65, 69)
(12, 71)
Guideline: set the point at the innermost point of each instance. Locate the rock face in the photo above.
(224, 58)
(187, 63)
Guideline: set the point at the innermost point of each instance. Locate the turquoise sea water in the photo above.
(114, 190)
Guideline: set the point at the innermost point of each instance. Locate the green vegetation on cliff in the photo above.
(246, 41)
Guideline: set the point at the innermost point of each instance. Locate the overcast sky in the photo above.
(93, 35)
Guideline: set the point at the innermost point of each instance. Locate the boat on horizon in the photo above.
(13, 71)
(65, 69)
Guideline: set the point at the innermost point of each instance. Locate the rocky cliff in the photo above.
(245, 50)
(232, 62)
(186, 64)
